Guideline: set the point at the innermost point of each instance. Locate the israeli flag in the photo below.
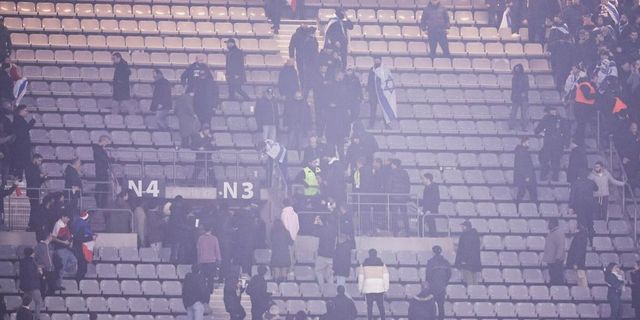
(612, 11)
(386, 93)
(19, 89)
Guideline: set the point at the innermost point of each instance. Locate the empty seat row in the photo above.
(477, 65)
(125, 11)
(384, 16)
(395, 4)
(452, 80)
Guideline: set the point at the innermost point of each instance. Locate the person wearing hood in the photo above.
(195, 293)
(577, 255)
(260, 297)
(602, 178)
(337, 34)
(438, 274)
(435, 23)
(203, 89)
(468, 253)
(373, 283)
(423, 305)
(524, 175)
(554, 253)
(614, 277)
(288, 80)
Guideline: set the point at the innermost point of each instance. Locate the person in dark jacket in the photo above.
(519, 98)
(35, 178)
(399, 183)
(121, 86)
(577, 162)
(585, 108)
(6, 143)
(581, 201)
(430, 202)
(577, 254)
(260, 297)
(288, 81)
(327, 232)
(243, 234)
(297, 119)
(202, 87)
(161, 101)
(267, 115)
(102, 162)
(5, 40)
(195, 293)
(438, 273)
(73, 181)
(423, 305)
(635, 288)
(614, 277)
(235, 72)
(24, 312)
(45, 261)
(342, 259)
(363, 146)
(435, 23)
(344, 308)
(354, 93)
(233, 289)
(280, 251)
(524, 175)
(517, 13)
(30, 279)
(556, 137)
(22, 146)
(468, 254)
(316, 149)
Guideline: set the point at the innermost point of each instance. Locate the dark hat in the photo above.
(466, 223)
(230, 40)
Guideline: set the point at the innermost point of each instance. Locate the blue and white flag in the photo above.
(386, 92)
(612, 11)
(19, 89)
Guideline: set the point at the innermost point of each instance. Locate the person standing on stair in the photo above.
(22, 146)
(435, 23)
(519, 98)
(121, 85)
(103, 175)
(373, 283)
(602, 178)
(235, 70)
(161, 101)
(554, 253)
(468, 254)
(556, 138)
(260, 297)
(524, 174)
(273, 10)
(337, 31)
(438, 274)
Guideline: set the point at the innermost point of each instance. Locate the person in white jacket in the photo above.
(602, 178)
(290, 220)
(373, 282)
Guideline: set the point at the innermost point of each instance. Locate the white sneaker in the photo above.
(515, 35)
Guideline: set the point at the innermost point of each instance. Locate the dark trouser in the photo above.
(275, 19)
(82, 262)
(495, 16)
(602, 206)
(236, 88)
(439, 299)
(34, 219)
(550, 161)
(49, 283)
(523, 107)
(584, 115)
(438, 37)
(430, 222)
(531, 188)
(556, 273)
(102, 193)
(373, 109)
(616, 307)
(178, 252)
(321, 114)
(637, 313)
(209, 271)
(537, 31)
(378, 298)
(258, 308)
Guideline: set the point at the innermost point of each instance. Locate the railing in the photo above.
(18, 207)
(203, 161)
(374, 212)
(627, 188)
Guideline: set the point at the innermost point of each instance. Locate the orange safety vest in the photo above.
(580, 98)
(619, 106)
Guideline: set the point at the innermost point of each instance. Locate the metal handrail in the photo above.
(132, 220)
(627, 187)
(17, 204)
